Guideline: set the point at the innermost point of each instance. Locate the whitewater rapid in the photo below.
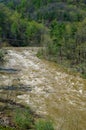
(55, 93)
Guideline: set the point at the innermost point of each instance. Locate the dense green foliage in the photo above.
(19, 31)
(60, 25)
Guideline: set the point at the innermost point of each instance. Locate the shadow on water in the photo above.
(8, 70)
(16, 88)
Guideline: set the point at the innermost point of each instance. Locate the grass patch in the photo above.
(44, 125)
(23, 119)
(6, 128)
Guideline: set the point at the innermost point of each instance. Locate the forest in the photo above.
(57, 25)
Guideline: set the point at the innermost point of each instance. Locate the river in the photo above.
(48, 89)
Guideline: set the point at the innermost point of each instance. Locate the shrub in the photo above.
(1, 55)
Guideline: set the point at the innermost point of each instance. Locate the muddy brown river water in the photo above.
(49, 90)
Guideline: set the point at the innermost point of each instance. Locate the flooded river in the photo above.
(45, 87)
